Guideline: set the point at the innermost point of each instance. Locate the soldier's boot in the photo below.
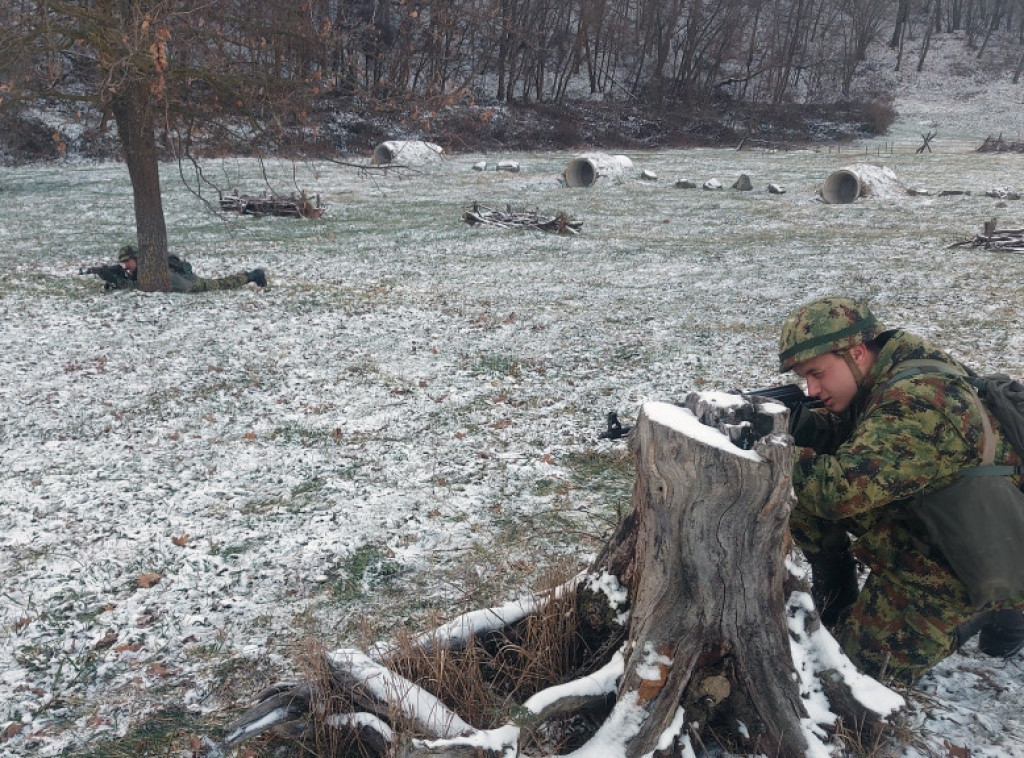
(971, 627)
(833, 585)
(257, 277)
(1003, 634)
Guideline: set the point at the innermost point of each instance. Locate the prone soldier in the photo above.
(122, 275)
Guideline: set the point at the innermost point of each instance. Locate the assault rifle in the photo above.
(111, 275)
(790, 395)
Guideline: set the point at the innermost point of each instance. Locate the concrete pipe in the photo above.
(407, 151)
(862, 180)
(841, 187)
(585, 170)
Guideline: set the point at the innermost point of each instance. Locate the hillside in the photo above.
(956, 94)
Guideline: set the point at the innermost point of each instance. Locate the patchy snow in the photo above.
(498, 742)
(816, 652)
(405, 423)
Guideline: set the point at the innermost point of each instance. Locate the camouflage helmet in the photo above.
(825, 326)
(126, 252)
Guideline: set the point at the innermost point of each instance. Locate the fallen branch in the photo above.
(274, 205)
(995, 239)
(559, 223)
(999, 145)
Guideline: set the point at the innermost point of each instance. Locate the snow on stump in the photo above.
(683, 630)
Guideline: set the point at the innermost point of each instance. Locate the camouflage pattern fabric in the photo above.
(913, 436)
(193, 283)
(825, 326)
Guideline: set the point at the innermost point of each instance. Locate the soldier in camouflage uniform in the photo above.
(182, 278)
(860, 462)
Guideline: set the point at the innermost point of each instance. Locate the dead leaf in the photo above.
(134, 648)
(11, 730)
(108, 639)
(148, 580)
(180, 541)
(503, 424)
(158, 669)
(956, 751)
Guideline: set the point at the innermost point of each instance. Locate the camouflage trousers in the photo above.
(181, 283)
(905, 617)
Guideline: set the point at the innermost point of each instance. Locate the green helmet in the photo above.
(126, 252)
(825, 326)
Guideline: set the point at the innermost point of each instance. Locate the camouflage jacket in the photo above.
(894, 442)
(180, 282)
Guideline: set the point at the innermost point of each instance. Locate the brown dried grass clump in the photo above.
(485, 681)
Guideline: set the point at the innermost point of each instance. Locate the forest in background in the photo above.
(332, 75)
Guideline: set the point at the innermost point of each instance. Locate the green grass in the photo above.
(368, 567)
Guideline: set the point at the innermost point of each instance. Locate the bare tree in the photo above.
(158, 64)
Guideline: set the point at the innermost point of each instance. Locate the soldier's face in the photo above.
(829, 379)
(129, 265)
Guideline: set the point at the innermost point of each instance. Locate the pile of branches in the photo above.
(999, 145)
(275, 205)
(992, 238)
(560, 223)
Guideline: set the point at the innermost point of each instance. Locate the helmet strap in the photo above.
(858, 375)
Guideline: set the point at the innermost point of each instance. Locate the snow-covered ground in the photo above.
(405, 423)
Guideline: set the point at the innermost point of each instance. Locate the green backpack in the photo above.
(179, 265)
(977, 522)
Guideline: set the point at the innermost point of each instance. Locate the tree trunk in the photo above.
(135, 128)
(702, 554)
(902, 14)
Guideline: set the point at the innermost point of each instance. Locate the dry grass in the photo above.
(484, 682)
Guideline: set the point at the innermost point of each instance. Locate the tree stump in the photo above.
(704, 650)
(708, 632)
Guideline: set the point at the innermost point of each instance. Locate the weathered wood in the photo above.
(560, 223)
(708, 627)
(290, 206)
(991, 238)
(707, 650)
(999, 145)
